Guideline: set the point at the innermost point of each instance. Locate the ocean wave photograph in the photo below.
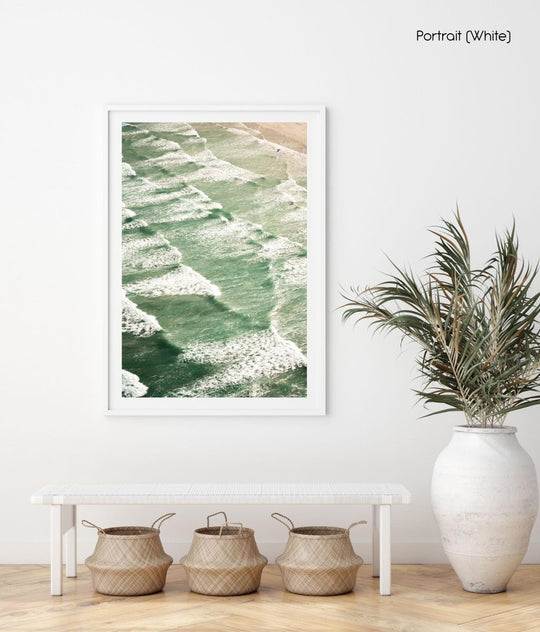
(214, 259)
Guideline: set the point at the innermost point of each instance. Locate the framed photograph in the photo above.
(216, 260)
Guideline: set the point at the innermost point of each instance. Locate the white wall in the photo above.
(411, 130)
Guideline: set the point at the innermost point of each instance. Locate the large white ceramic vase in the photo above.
(485, 499)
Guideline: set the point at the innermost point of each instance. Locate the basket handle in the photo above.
(227, 524)
(354, 524)
(161, 520)
(86, 523)
(216, 514)
(274, 516)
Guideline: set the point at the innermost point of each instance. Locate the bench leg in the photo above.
(375, 541)
(62, 521)
(56, 549)
(70, 529)
(381, 541)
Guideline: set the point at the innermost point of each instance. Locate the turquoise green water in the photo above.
(214, 263)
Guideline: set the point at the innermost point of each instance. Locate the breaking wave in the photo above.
(244, 359)
(137, 322)
(180, 281)
(132, 386)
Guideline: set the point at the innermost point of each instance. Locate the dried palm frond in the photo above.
(477, 328)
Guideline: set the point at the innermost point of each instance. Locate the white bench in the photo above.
(63, 500)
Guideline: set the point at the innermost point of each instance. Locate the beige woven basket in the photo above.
(318, 560)
(223, 560)
(129, 560)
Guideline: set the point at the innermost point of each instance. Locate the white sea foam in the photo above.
(298, 217)
(216, 170)
(287, 194)
(161, 258)
(292, 191)
(127, 169)
(143, 192)
(169, 155)
(134, 224)
(157, 198)
(181, 216)
(170, 159)
(135, 244)
(127, 212)
(242, 131)
(131, 130)
(132, 385)
(190, 132)
(181, 281)
(137, 322)
(191, 190)
(280, 248)
(184, 129)
(236, 234)
(286, 209)
(187, 202)
(292, 272)
(196, 142)
(149, 253)
(244, 358)
(136, 191)
(155, 143)
(190, 204)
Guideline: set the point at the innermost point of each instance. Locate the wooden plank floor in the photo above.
(424, 599)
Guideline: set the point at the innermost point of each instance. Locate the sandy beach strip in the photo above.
(291, 135)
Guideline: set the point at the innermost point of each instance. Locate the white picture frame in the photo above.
(313, 403)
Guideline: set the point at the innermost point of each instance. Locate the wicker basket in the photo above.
(223, 560)
(129, 560)
(318, 560)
